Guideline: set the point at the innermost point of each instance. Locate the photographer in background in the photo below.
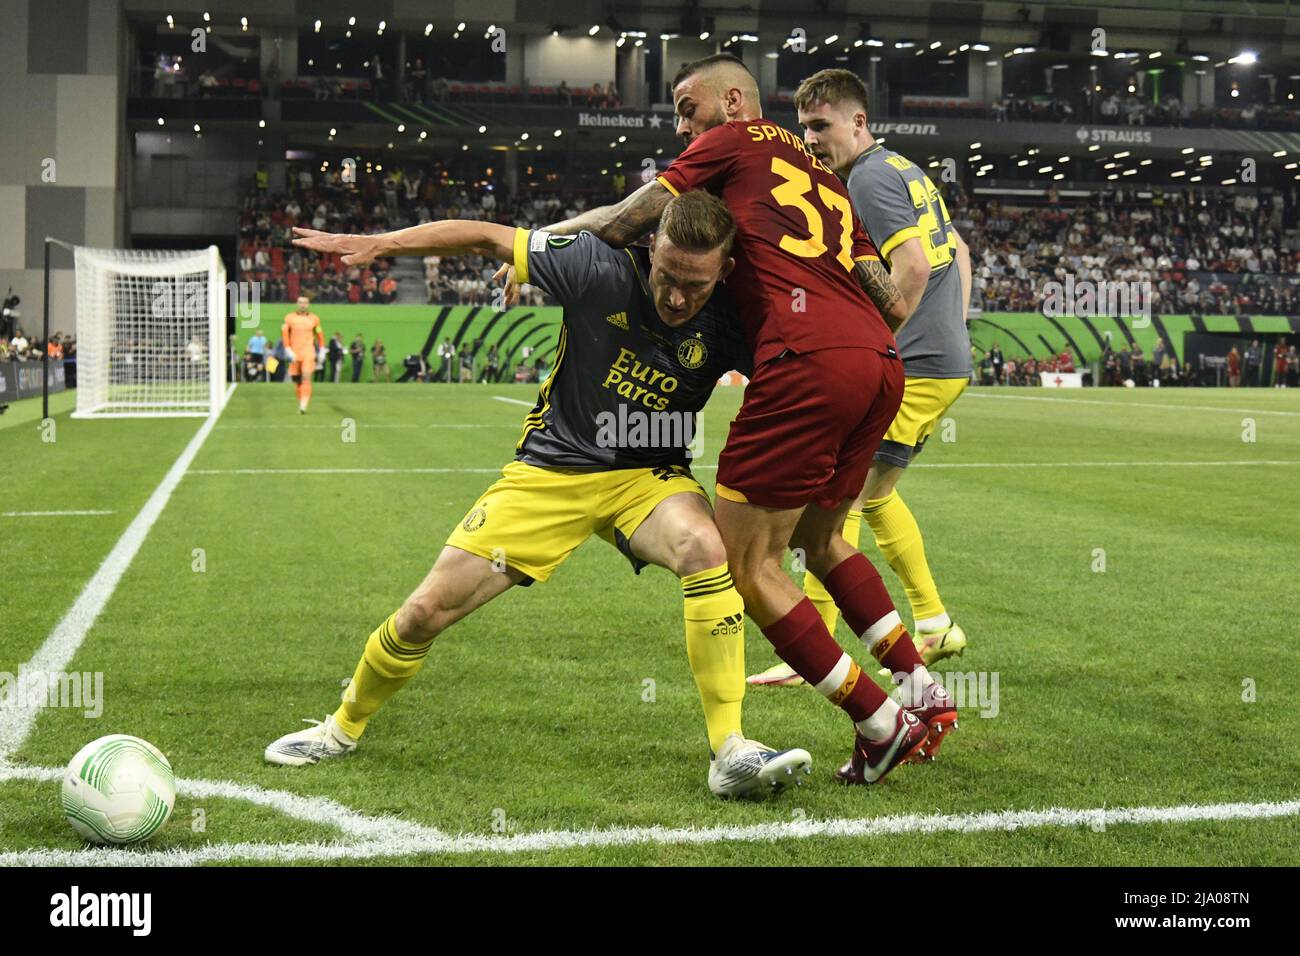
(9, 314)
(416, 368)
(379, 362)
(446, 353)
(358, 352)
(336, 352)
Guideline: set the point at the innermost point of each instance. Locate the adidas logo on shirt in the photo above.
(619, 319)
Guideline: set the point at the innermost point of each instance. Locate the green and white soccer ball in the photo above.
(118, 789)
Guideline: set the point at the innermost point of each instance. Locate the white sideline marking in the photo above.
(515, 401)
(1119, 404)
(389, 837)
(969, 464)
(230, 426)
(56, 653)
(1104, 464)
(51, 514)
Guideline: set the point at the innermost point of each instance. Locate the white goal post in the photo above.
(151, 332)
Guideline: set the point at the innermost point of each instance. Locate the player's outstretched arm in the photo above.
(622, 222)
(451, 237)
(880, 288)
(617, 225)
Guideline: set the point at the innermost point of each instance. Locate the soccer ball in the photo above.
(118, 789)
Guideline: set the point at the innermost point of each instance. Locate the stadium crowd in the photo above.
(380, 201)
(21, 348)
(1206, 253)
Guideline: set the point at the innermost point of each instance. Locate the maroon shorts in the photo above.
(809, 427)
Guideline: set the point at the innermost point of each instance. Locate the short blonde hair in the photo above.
(698, 221)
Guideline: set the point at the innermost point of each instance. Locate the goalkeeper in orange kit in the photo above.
(302, 336)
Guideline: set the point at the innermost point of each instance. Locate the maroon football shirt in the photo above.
(796, 239)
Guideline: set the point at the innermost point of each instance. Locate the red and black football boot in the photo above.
(872, 759)
(939, 715)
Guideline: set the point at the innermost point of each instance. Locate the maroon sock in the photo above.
(896, 652)
(802, 641)
(855, 586)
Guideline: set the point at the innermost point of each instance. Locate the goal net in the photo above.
(150, 332)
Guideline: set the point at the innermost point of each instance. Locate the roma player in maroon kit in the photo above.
(827, 384)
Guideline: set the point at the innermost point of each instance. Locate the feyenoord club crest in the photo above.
(692, 353)
(474, 520)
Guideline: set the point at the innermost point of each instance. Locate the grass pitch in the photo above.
(1123, 561)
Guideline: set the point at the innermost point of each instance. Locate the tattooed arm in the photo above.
(622, 222)
(617, 225)
(880, 288)
(909, 274)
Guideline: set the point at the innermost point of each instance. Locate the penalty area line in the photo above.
(1124, 404)
(51, 514)
(415, 840)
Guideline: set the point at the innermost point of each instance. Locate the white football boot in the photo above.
(744, 767)
(324, 739)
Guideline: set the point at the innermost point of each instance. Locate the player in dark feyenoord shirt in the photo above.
(645, 336)
(930, 265)
(827, 384)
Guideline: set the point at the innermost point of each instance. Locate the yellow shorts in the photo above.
(533, 518)
(924, 402)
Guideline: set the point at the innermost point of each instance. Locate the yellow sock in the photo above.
(715, 646)
(387, 664)
(899, 540)
(816, 591)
